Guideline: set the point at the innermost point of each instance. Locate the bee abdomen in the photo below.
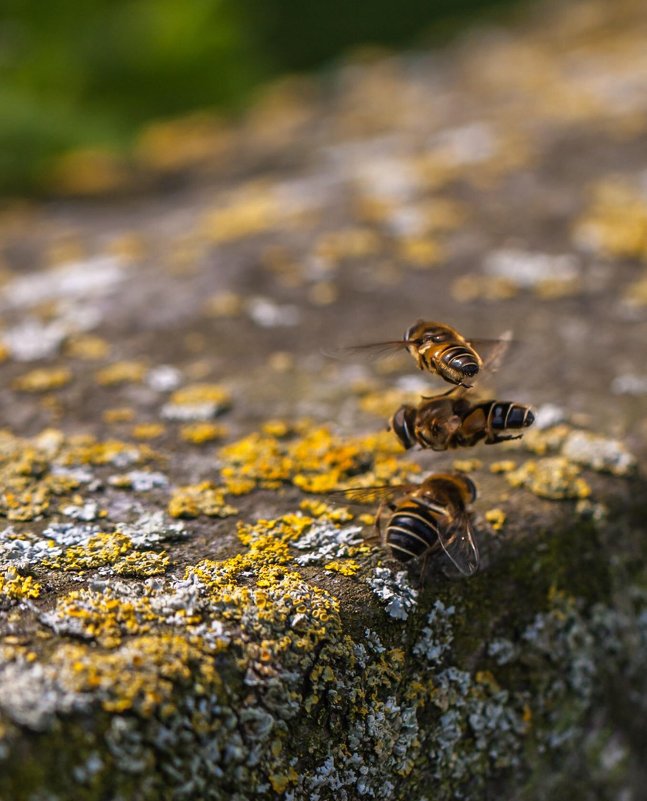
(402, 423)
(460, 358)
(505, 415)
(411, 532)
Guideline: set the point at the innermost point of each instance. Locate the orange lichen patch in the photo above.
(542, 441)
(44, 379)
(204, 498)
(99, 550)
(496, 518)
(503, 466)
(615, 223)
(120, 414)
(26, 483)
(17, 587)
(324, 511)
(347, 567)
(148, 430)
(85, 449)
(105, 616)
(4, 352)
(141, 674)
(142, 564)
(286, 528)
(202, 393)
(467, 465)
(199, 433)
(86, 347)
(121, 373)
(316, 461)
(552, 477)
(278, 600)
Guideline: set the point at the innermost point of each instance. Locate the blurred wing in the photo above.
(370, 351)
(458, 543)
(492, 351)
(370, 495)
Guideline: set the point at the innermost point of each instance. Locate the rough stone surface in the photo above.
(186, 612)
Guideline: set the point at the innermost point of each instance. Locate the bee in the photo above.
(426, 518)
(437, 348)
(451, 421)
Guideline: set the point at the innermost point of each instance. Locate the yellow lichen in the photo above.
(99, 550)
(286, 528)
(120, 414)
(421, 252)
(142, 563)
(615, 224)
(17, 587)
(503, 466)
(552, 477)
(148, 430)
(43, 379)
(86, 347)
(196, 394)
(316, 461)
(467, 465)
(121, 373)
(204, 498)
(347, 567)
(319, 509)
(496, 518)
(198, 433)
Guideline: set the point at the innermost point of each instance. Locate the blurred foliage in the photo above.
(79, 73)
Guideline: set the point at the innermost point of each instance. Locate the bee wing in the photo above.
(371, 351)
(492, 351)
(371, 495)
(458, 543)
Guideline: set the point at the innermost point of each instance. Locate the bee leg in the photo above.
(494, 438)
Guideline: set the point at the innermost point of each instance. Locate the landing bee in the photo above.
(437, 348)
(426, 518)
(451, 421)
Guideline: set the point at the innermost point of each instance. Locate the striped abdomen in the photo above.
(413, 529)
(503, 415)
(459, 361)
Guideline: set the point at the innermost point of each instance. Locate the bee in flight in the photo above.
(451, 421)
(426, 518)
(437, 348)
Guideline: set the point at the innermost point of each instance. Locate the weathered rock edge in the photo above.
(524, 682)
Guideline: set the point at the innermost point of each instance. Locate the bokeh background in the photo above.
(77, 75)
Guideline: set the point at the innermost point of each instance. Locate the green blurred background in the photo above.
(84, 73)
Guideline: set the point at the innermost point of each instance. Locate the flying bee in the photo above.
(426, 518)
(451, 421)
(437, 348)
